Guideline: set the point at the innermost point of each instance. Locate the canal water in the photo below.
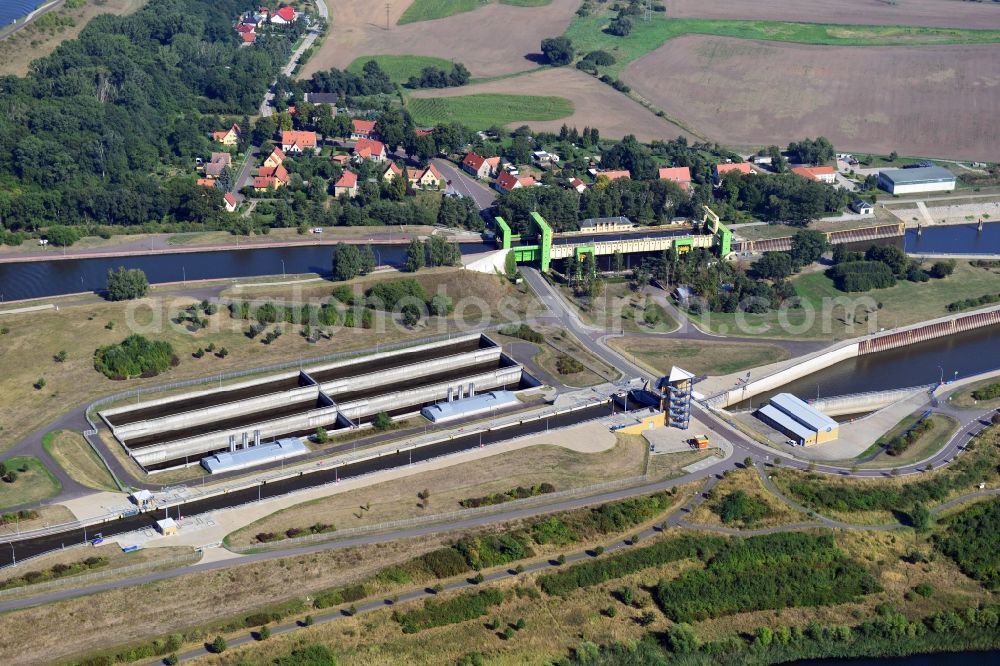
(955, 239)
(35, 279)
(923, 363)
(939, 659)
(11, 10)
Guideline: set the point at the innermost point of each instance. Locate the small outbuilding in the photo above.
(862, 207)
(167, 526)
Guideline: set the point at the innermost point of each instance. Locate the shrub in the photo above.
(458, 609)
(523, 332)
(567, 365)
(135, 356)
(444, 562)
(218, 646)
(386, 295)
(123, 285)
(263, 633)
(855, 276)
(739, 507)
(382, 421)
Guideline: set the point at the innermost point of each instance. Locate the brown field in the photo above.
(930, 100)
(933, 13)
(595, 104)
(492, 40)
(31, 42)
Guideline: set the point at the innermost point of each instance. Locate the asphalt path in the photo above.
(465, 184)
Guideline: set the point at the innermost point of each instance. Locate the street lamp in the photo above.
(13, 556)
(942, 375)
(282, 268)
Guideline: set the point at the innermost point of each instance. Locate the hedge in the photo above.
(458, 609)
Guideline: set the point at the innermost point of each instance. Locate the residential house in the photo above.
(283, 16)
(217, 164)
(679, 175)
(578, 185)
(614, 174)
(229, 137)
(270, 178)
(248, 38)
(423, 131)
(229, 199)
(293, 141)
(262, 14)
(341, 160)
(543, 158)
(244, 28)
(369, 149)
(363, 129)
(205, 182)
(819, 174)
(330, 99)
(346, 184)
(738, 167)
(480, 167)
(507, 182)
(862, 207)
(392, 172)
(425, 179)
(276, 158)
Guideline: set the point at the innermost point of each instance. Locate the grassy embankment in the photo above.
(823, 315)
(926, 445)
(587, 34)
(618, 307)
(700, 357)
(34, 482)
(74, 455)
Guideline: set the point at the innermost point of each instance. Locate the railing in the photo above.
(446, 517)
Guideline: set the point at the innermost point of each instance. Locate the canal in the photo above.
(955, 239)
(926, 362)
(36, 279)
(939, 659)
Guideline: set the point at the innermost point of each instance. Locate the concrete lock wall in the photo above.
(108, 413)
(413, 371)
(782, 377)
(390, 401)
(441, 344)
(217, 413)
(197, 447)
(864, 402)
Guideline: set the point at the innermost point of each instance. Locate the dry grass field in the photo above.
(493, 40)
(397, 499)
(928, 100)
(933, 13)
(32, 42)
(594, 103)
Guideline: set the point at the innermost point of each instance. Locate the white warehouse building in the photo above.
(920, 179)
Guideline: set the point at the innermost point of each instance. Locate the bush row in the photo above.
(55, 571)
(514, 493)
(898, 444)
(599, 571)
(967, 303)
(987, 392)
(292, 532)
(523, 332)
(458, 609)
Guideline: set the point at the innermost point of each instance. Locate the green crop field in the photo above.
(482, 111)
(428, 10)
(400, 67)
(587, 34)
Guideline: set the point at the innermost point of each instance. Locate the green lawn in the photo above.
(587, 34)
(525, 3)
(825, 311)
(400, 67)
(428, 10)
(32, 485)
(485, 110)
(927, 445)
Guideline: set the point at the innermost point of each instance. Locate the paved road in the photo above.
(465, 184)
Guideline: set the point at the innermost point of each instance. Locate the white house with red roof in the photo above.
(283, 16)
(369, 149)
(230, 201)
(578, 185)
(507, 182)
(819, 174)
(229, 137)
(479, 166)
(425, 179)
(293, 141)
(744, 168)
(363, 129)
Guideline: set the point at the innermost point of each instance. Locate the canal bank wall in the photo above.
(872, 344)
(784, 244)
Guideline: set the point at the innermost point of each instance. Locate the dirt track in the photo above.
(933, 101)
(933, 13)
(595, 104)
(492, 40)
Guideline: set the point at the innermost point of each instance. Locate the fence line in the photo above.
(442, 517)
(93, 575)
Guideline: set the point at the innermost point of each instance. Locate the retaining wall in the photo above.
(959, 324)
(402, 373)
(864, 402)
